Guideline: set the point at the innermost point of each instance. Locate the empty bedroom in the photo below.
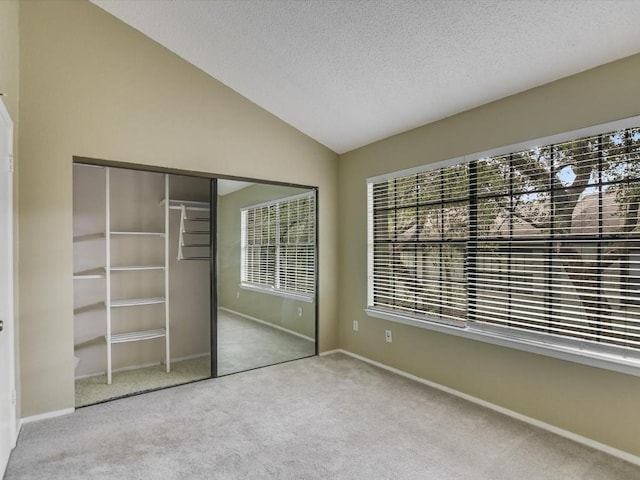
(385, 239)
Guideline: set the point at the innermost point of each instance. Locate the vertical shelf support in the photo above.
(107, 268)
(166, 272)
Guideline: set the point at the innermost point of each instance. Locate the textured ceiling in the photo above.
(350, 72)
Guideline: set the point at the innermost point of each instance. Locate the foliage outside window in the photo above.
(541, 244)
(278, 245)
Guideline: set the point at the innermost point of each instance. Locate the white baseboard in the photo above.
(45, 416)
(505, 411)
(331, 352)
(277, 327)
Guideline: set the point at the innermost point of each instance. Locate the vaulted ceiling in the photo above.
(350, 72)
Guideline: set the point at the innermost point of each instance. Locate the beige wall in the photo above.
(280, 311)
(598, 404)
(9, 69)
(92, 86)
(9, 56)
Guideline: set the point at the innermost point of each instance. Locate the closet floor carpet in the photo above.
(95, 389)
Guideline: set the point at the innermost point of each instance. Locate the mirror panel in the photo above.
(266, 275)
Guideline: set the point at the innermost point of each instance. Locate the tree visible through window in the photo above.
(541, 242)
(278, 245)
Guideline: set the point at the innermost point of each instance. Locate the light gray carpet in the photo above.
(318, 418)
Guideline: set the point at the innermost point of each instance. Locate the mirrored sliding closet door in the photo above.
(266, 282)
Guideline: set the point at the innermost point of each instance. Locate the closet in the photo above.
(133, 231)
(153, 308)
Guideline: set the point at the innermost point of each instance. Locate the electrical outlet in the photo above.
(355, 325)
(238, 294)
(387, 336)
(299, 311)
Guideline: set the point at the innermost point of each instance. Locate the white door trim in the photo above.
(9, 322)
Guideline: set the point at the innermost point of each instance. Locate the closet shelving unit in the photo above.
(194, 233)
(109, 270)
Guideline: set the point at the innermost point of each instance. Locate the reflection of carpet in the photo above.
(244, 344)
(95, 389)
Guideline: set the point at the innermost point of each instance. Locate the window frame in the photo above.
(279, 247)
(564, 348)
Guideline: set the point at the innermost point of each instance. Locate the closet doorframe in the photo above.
(213, 225)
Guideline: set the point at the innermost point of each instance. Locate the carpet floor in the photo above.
(330, 417)
(243, 344)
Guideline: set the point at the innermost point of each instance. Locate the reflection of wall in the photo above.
(92, 86)
(135, 205)
(270, 308)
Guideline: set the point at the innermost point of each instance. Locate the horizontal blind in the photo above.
(539, 243)
(259, 245)
(296, 248)
(418, 234)
(558, 241)
(278, 244)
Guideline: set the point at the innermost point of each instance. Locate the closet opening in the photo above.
(184, 276)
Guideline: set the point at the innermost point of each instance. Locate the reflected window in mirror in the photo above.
(278, 246)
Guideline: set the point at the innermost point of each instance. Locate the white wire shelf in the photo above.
(93, 274)
(128, 268)
(188, 204)
(133, 302)
(88, 237)
(137, 336)
(148, 234)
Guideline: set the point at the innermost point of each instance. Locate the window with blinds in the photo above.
(278, 249)
(541, 244)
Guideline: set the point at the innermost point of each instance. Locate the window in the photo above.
(536, 246)
(278, 246)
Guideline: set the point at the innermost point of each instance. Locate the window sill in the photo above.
(616, 363)
(278, 293)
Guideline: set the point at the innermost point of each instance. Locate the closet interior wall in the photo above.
(135, 205)
(189, 280)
